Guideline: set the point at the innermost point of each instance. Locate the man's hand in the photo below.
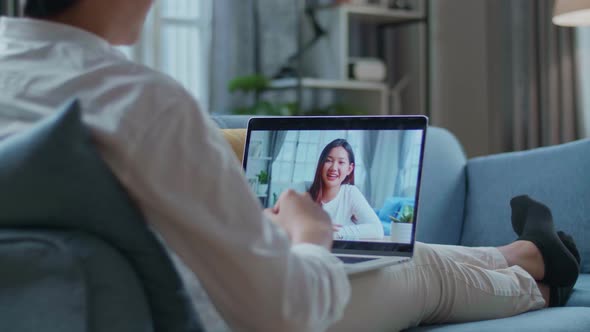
(304, 220)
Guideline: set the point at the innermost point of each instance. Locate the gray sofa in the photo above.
(76, 255)
(466, 202)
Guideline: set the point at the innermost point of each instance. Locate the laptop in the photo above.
(363, 170)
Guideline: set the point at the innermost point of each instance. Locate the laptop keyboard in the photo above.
(352, 260)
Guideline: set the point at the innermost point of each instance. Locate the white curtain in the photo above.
(535, 90)
(406, 182)
(369, 145)
(385, 167)
(277, 138)
(583, 56)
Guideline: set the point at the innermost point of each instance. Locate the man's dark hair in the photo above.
(47, 8)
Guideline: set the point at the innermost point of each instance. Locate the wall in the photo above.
(459, 71)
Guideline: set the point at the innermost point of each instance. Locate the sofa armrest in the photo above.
(556, 175)
(67, 281)
(442, 189)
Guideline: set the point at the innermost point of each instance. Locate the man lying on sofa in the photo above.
(176, 166)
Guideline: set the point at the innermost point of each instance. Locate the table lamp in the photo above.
(571, 13)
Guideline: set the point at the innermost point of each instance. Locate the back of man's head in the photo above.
(47, 8)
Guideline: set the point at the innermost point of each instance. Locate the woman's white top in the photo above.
(183, 175)
(350, 202)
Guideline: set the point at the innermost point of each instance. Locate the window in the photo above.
(176, 40)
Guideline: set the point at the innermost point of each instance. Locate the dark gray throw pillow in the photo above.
(51, 176)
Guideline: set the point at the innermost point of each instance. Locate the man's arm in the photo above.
(185, 179)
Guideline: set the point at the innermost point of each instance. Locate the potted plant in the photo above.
(401, 224)
(257, 84)
(262, 182)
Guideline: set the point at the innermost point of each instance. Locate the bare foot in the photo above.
(526, 255)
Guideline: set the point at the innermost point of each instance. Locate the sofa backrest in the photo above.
(442, 191)
(231, 121)
(556, 175)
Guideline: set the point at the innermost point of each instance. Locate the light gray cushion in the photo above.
(556, 175)
(51, 176)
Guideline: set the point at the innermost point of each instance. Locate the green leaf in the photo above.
(262, 177)
(405, 215)
(248, 83)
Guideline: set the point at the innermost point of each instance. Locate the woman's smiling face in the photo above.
(336, 167)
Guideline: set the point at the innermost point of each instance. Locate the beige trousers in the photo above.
(441, 284)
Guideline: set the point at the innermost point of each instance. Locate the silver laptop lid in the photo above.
(365, 172)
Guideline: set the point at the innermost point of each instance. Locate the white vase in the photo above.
(262, 189)
(401, 232)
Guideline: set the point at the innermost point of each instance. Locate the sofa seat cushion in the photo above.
(581, 295)
(575, 319)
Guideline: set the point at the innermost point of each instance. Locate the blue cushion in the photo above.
(51, 176)
(556, 175)
(550, 320)
(442, 190)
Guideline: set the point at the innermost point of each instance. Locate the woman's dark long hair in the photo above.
(47, 8)
(316, 187)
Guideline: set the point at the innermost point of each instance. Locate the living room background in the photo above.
(495, 93)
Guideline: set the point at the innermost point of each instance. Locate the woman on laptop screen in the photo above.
(333, 188)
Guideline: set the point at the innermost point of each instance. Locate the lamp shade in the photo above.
(571, 12)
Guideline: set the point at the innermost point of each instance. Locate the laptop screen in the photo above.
(364, 172)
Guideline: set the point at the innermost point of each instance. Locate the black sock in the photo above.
(561, 267)
(560, 295)
(570, 244)
(520, 205)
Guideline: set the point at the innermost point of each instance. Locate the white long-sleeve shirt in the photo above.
(180, 171)
(350, 202)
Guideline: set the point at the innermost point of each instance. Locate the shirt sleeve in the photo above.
(185, 179)
(367, 224)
